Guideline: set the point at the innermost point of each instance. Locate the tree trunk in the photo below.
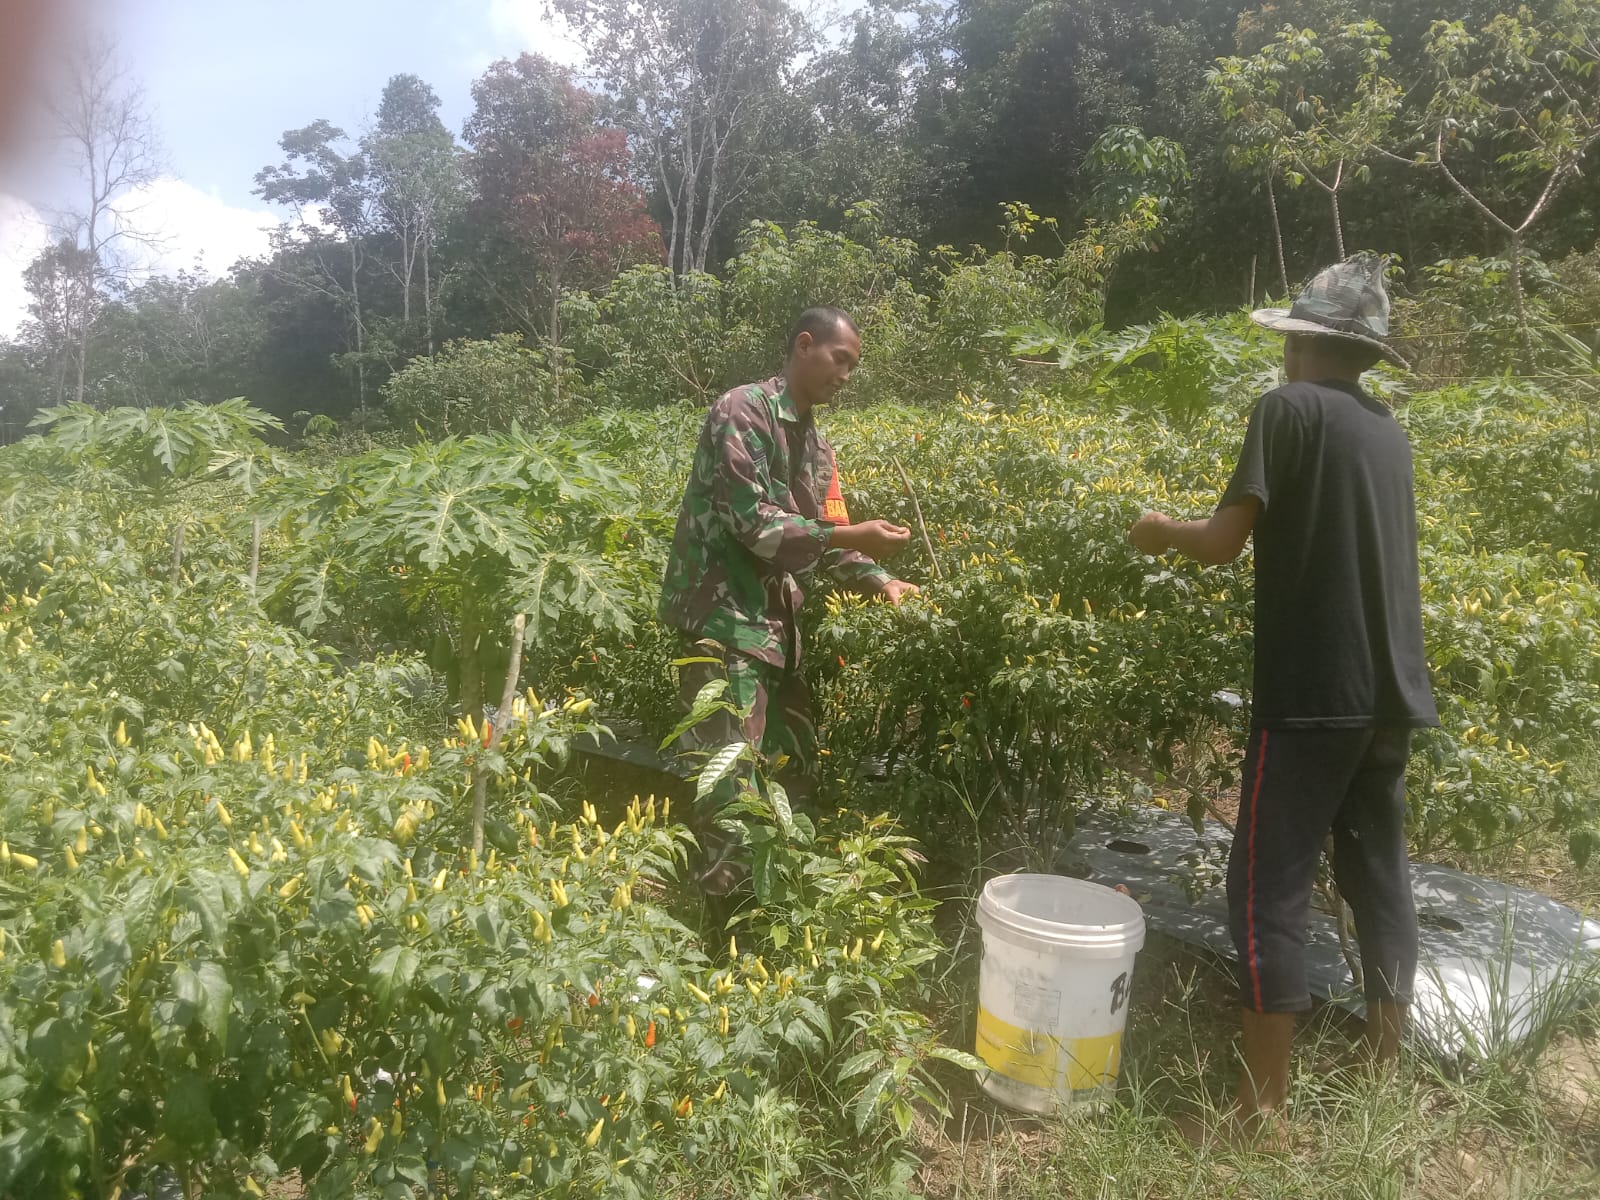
(427, 295)
(690, 185)
(94, 270)
(1338, 223)
(408, 266)
(1519, 298)
(83, 355)
(361, 340)
(676, 204)
(554, 340)
(1277, 234)
(708, 221)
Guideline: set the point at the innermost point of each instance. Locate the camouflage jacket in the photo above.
(751, 533)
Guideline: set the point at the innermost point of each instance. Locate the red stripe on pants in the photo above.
(1250, 894)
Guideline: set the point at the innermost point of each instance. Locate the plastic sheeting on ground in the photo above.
(1495, 961)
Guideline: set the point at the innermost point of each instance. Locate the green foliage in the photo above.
(650, 339)
(777, 273)
(1458, 324)
(1129, 165)
(1179, 369)
(476, 387)
(466, 531)
(1052, 668)
(159, 447)
(243, 938)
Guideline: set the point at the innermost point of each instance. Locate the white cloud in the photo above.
(194, 224)
(23, 234)
(189, 225)
(520, 25)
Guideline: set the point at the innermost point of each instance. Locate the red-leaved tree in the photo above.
(553, 190)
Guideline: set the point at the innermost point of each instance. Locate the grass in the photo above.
(1501, 1131)
(1497, 1125)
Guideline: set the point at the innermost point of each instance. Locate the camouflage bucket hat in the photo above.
(1346, 300)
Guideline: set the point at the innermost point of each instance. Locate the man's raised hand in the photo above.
(1150, 533)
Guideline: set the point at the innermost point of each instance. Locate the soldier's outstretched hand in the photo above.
(897, 590)
(875, 539)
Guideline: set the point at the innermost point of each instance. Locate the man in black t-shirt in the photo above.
(1324, 483)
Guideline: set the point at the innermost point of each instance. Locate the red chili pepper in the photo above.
(514, 1024)
(841, 660)
(594, 999)
(966, 702)
(650, 1036)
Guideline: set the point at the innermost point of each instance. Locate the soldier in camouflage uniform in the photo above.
(763, 510)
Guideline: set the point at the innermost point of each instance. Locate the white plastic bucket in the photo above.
(1053, 990)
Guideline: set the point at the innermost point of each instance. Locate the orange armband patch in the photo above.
(833, 509)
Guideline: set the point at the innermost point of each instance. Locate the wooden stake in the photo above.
(502, 718)
(255, 551)
(922, 527)
(177, 552)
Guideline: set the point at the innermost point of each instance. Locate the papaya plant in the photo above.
(457, 536)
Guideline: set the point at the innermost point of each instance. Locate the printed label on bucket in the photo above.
(1036, 1059)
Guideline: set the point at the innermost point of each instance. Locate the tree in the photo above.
(111, 143)
(1514, 112)
(848, 128)
(700, 83)
(61, 309)
(318, 175)
(1314, 107)
(1127, 164)
(180, 337)
(553, 185)
(417, 183)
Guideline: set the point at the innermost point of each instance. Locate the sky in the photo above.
(225, 78)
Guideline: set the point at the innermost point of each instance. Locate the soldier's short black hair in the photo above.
(822, 323)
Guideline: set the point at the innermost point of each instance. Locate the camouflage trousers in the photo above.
(777, 722)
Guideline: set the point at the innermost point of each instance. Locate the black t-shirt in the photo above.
(1338, 607)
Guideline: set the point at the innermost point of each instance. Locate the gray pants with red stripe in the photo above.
(1298, 786)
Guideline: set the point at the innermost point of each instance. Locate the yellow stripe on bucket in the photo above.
(1029, 1057)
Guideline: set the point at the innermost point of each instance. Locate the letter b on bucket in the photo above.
(1053, 992)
